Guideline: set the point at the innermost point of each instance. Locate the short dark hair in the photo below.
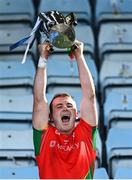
(56, 96)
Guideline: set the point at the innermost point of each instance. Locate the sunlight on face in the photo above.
(64, 114)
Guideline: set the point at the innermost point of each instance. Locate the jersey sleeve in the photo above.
(37, 138)
(90, 131)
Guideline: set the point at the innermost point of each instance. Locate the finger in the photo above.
(78, 43)
(44, 47)
(74, 47)
(50, 48)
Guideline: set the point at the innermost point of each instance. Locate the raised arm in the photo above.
(88, 109)
(40, 106)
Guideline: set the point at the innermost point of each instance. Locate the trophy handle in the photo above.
(71, 19)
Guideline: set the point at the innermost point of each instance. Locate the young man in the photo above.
(64, 149)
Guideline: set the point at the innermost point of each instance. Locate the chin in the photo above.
(68, 130)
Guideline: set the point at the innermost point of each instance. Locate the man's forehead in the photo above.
(63, 99)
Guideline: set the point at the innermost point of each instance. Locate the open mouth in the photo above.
(65, 118)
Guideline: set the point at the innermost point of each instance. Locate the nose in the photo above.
(64, 107)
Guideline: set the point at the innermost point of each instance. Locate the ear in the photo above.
(50, 116)
(77, 115)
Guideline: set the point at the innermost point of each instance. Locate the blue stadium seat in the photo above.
(17, 11)
(16, 111)
(114, 37)
(113, 10)
(16, 148)
(16, 90)
(119, 149)
(81, 8)
(98, 151)
(69, 89)
(63, 71)
(85, 34)
(116, 101)
(100, 173)
(11, 33)
(123, 173)
(17, 159)
(120, 119)
(15, 74)
(119, 76)
(19, 172)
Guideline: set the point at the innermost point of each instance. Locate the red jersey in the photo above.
(66, 156)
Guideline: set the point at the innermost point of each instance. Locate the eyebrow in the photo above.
(69, 103)
(62, 104)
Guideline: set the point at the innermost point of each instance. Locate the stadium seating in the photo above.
(119, 149)
(105, 28)
(63, 71)
(120, 119)
(117, 101)
(15, 74)
(114, 37)
(81, 8)
(123, 173)
(16, 148)
(10, 34)
(19, 173)
(85, 34)
(16, 111)
(98, 151)
(113, 10)
(21, 11)
(100, 173)
(120, 76)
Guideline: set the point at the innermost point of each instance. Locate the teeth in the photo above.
(65, 117)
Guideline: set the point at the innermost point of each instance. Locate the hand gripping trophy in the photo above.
(58, 30)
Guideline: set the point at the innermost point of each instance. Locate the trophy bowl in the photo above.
(62, 36)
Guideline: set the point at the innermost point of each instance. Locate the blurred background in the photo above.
(105, 28)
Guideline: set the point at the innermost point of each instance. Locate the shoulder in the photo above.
(38, 134)
(87, 132)
(85, 128)
(82, 122)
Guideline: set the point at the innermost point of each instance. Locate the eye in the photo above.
(69, 105)
(59, 106)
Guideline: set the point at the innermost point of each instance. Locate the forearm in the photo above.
(40, 85)
(85, 76)
(40, 106)
(41, 76)
(88, 109)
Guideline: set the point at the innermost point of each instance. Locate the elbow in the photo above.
(38, 98)
(92, 97)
